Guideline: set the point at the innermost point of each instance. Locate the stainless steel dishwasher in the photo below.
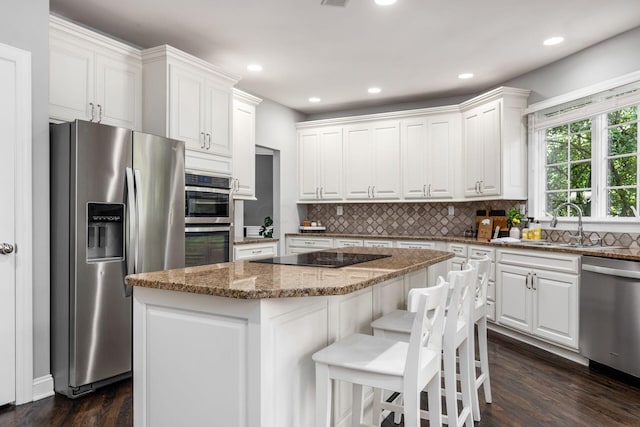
(610, 313)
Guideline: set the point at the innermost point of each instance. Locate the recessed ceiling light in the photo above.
(254, 67)
(553, 40)
(465, 75)
(314, 99)
(385, 2)
(374, 90)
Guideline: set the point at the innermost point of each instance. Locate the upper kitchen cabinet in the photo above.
(494, 144)
(244, 145)
(320, 163)
(430, 146)
(93, 77)
(372, 161)
(189, 99)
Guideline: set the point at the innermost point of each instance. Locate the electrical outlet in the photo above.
(452, 211)
(339, 210)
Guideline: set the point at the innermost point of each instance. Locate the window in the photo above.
(586, 152)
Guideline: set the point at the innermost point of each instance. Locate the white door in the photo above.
(330, 158)
(308, 165)
(386, 161)
(358, 155)
(9, 75)
(414, 156)
(514, 297)
(440, 164)
(555, 307)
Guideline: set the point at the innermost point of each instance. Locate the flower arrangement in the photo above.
(514, 217)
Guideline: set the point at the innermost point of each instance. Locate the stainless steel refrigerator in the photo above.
(117, 207)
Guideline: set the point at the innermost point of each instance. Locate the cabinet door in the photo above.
(491, 154)
(71, 81)
(473, 152)
(186, 103)
(358, 152)
(330, 158)
(118, 92)
(440, 165)
(308, 165)
(413, 139)
(555, 307)
(386, 160)
(217, 101)
(244, 148)
(514, 297)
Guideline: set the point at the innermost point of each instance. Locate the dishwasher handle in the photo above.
(611, 271)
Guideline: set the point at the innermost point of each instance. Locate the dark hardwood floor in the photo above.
(530, 388)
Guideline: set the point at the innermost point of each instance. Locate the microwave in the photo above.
(208, 200)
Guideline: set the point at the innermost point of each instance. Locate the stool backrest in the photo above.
(461, 300)
(428, 325)
(482, 266)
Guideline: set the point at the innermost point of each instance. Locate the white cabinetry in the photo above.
(429, 148)
(372, 161)
(298, 245)
(537, 293)
(190, 100)
(93, 77)
(244, 145)
(251, 251)
(347, 243)
(320, 164)
(494, 144)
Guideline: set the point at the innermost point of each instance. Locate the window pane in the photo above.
(557, 177)
(583, 200)
(554, 199)
(622, 171)
(628, 114)
(581, 126)
(581, 146)
(620, 202)
(581, 175)
(623, 139)
(557, 150)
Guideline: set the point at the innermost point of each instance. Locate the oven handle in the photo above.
(208, 190)
(205, 229)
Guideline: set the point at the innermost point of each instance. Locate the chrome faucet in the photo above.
(554, 220)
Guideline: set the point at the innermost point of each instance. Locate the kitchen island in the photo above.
(230, 344)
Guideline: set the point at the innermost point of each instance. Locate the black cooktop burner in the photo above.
(322, 259)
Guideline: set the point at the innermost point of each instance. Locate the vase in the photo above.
(514, 232)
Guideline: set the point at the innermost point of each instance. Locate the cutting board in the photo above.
(485, 229)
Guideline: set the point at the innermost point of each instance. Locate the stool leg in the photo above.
(411, 405)
(356, 405)
(484, 357)
(466, 381)
(323, 396)
(376, 407)
(450, 387)
(475, 405)
(435, 401)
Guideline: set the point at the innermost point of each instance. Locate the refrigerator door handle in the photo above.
(133, 229)
(140, 212)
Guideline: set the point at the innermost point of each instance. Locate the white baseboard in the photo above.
(42, 387)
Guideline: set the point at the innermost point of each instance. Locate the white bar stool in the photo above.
(458, 326)
(482, 266)
(388, 364)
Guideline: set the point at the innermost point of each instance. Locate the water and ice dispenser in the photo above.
(105, 232)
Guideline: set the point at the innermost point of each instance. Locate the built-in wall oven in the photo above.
(208, 219)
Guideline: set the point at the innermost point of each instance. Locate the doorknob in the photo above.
(6, 248)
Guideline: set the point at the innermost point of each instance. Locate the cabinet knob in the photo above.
(6, 248)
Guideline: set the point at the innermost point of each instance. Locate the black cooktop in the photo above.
(322, 259)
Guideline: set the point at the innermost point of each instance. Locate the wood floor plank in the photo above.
(530, 388)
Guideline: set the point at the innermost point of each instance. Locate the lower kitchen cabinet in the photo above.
(538, 301)
(299, 245)
(255, 251)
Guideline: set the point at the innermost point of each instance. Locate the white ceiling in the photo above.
(413, 50)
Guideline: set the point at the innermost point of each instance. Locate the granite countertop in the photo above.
(248, 240)
(250, 280)
(632, 254)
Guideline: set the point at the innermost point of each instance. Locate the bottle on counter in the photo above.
(537, 230)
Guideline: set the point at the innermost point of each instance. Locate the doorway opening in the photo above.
(267, 179)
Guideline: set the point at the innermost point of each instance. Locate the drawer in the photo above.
(417, 244)
(491, 311)
(311, 242)
(459, 249)
(378, 243)
(480, 251)
(550, 261)
(347, 243)
(248, 252)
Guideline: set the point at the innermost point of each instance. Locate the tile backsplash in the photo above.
(432, 219)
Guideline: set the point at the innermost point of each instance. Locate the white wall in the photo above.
(24, 24)
(275, 129)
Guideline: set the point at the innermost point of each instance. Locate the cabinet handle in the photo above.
(203, 142)
(322, 192)
(526, 282)
(209, 143)
(99, 113)
(534, 278)
(429, 192)
(237, 184)
(310, 243)
(480, 190)
(93, 111)
(424, 190)
(373, 192)
(256, 251)
(369, 191)
(317, 192)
